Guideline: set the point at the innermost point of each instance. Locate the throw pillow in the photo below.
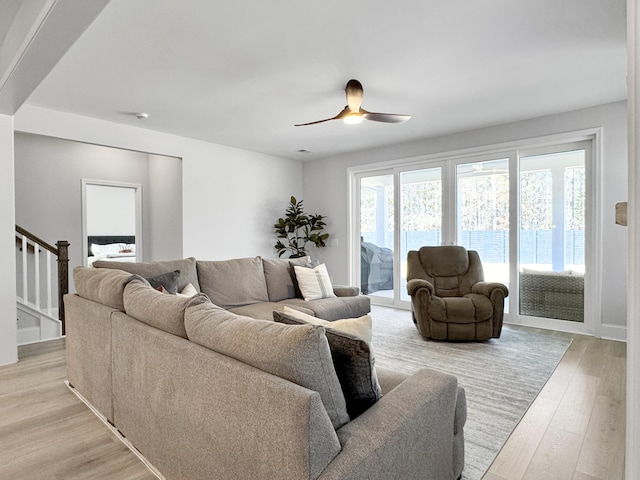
(168, 281)
(314, 283)
(354, 363)
(300, 355)
(188, 291)
(360, 327)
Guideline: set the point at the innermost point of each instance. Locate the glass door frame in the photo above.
(354, 235)
(592, 277)
(510, 315)
(592, 139)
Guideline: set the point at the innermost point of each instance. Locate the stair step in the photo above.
(28, 335)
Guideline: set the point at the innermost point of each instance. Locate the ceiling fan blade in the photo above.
(385, 117)
(342, 114)
(354, 93)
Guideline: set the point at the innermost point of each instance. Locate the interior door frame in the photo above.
(138, 212)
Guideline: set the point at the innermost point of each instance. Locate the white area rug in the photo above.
(502, 377)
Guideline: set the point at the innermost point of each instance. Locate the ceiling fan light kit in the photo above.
(354, 113)
(352, 118)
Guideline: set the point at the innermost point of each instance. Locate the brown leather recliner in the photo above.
(450, 299)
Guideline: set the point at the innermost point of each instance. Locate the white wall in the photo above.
(165, 195)
(8, 345)
(48, 180)
(230, 197)
(325, 187)
(633, 341)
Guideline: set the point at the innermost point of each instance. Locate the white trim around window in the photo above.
(511, 150)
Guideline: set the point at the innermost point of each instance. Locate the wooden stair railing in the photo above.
(61, 251)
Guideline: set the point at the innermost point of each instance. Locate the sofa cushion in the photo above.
(101, 285)
(352, 357)
(333, 308)
(263, 310)
(162, 311)
(187, 267)
(298, 354)
(314, 282)
(280, 277)
(233, 283)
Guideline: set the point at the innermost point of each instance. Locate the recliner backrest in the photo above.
(452, 270)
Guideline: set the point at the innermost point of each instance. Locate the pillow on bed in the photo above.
(98, 250)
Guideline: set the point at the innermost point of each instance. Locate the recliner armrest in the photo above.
(346, 291)
(486, 288)
(416, 284)
(408, 433)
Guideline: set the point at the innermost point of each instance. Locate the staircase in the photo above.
(40, 290)
(36, 326)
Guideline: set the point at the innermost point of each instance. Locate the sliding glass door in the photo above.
(377, 236)
(420, 214)
(525, 211)
(552, 234)
(482, 217)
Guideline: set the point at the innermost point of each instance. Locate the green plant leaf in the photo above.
(297, 229)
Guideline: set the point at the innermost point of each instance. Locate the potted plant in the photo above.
(297, 229)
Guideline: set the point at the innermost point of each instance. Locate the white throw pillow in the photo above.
(359, 327)
(314, 283)
(188, 291)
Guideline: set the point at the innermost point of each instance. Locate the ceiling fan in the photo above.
(354, 113)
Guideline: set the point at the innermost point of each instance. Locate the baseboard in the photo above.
(117, 433)
(613, 332)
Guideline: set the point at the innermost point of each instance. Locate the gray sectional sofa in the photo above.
(253, 287)
(203, 392)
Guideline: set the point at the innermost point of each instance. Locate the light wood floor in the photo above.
(574, 430)
(47, 433)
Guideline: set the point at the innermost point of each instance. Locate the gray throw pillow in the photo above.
(168, 280)
(354, 364)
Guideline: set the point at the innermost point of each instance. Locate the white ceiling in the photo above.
(8, 12)
(242, 73)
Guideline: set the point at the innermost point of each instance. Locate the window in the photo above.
(525, 210)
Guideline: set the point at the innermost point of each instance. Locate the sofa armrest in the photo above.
(408, 433)
(416, 284)
(346, 291)
(487, 288)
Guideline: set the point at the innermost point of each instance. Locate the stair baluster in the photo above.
(29, 244)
